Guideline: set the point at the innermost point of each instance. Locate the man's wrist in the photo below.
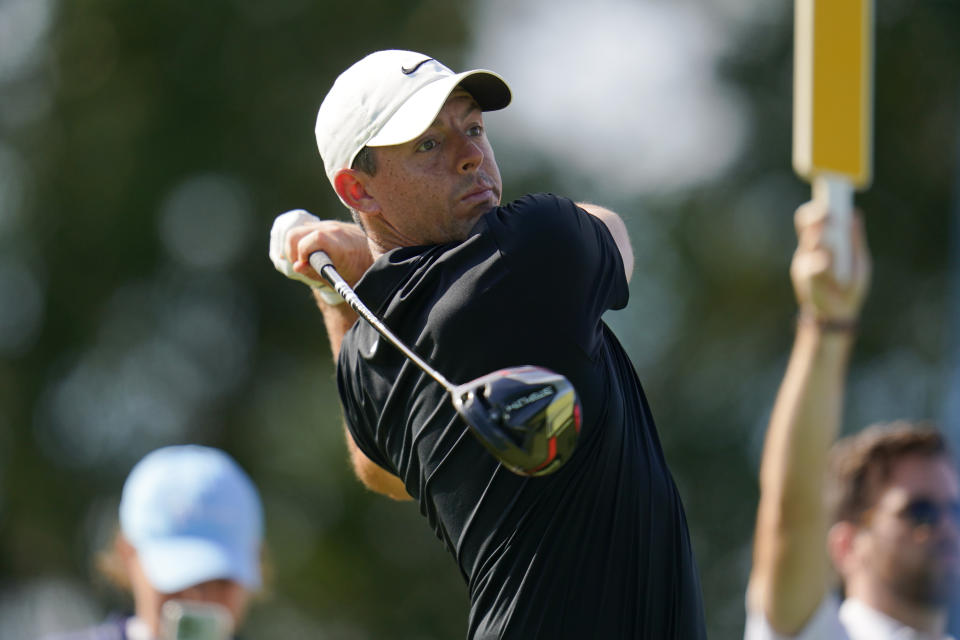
(828, 325)
(329, 296)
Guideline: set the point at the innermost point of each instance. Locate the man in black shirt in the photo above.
(599, 549)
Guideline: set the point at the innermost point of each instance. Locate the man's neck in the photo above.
(377, 248)
(931, 620)
(383, 237)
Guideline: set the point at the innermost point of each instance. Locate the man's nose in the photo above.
(196, 592)
(470, 155)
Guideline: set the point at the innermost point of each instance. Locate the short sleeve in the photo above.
(552, 237)
(824, 625)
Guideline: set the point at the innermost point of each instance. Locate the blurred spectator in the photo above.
(890, 522)
(191, 529)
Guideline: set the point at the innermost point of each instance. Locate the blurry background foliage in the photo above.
(145, 148)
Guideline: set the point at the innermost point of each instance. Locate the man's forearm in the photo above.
(338, 319)
(805, 419)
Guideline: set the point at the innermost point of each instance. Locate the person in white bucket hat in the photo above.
(597, 549)
(189, 544)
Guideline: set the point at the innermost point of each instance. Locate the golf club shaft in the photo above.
(322, 264)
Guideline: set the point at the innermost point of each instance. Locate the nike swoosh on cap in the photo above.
(411, 70)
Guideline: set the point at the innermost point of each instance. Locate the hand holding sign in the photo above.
(833, 109)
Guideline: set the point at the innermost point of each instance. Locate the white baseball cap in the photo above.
(390, 97)
(193, 515)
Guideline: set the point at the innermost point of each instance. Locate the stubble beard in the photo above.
(931, 586)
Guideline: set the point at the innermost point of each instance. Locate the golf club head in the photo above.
(528, 417)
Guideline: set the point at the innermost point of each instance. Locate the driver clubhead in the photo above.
(528, 417)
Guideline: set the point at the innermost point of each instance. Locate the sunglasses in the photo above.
(923, 511)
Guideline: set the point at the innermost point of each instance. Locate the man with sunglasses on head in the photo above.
(881, 506)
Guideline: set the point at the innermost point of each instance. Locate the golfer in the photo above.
(599, 549)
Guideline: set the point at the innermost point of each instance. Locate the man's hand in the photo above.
(296, 234)
(819, 294)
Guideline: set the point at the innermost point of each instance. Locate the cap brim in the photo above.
(420, 110)
(175, 564)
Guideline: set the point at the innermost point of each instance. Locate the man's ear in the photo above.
(351, 188)
(841, 540)
(125, 551)
(122, 545)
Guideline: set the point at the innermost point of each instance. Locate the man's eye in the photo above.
(475, 130)
(427, 145)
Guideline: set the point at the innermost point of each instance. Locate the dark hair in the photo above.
(365, 161)
(860, 465)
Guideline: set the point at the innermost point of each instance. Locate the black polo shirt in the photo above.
(599, 549)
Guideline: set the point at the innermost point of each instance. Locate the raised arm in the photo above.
(790, 574)
(294, 236)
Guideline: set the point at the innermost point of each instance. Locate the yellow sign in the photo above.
(833, 89)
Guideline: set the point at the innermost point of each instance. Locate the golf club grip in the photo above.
(322, 264)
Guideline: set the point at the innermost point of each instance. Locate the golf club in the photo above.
(528, 417)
